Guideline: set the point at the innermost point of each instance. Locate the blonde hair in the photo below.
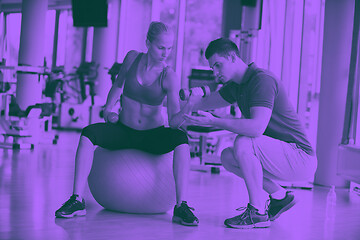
(155, 29)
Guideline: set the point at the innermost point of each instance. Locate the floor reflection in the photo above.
(33, 184)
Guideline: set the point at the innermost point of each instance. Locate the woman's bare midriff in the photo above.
(140, 116)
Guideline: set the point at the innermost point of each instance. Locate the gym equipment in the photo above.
(203, 77)
(75, 95)
(112, 117)
(73, 116)
(185, 93)
(26, 128)
(114, 71)
(132, 181)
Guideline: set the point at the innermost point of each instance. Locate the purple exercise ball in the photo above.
(132, 181)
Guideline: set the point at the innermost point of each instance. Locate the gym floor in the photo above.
(33, 184)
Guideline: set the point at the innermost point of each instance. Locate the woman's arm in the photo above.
(195, 103)
(211, 102)
(116, 88)
(172, 86)
(175, 114)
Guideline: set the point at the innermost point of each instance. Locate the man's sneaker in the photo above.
(250, 218)
(184, 216)
(277, 207)
(71, 208)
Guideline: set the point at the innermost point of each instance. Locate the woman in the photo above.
(144, 80)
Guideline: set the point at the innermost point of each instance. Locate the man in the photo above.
(270, 145)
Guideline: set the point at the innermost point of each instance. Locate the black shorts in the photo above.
(118, 136)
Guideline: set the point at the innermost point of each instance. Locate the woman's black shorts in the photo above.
(118, 136)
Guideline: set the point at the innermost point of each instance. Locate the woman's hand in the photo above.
(195, 97)
(203, 119)
(110, 117)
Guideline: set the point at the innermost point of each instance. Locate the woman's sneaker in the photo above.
(250, 218)
(71, 208)
(277, 207)
(183, 215)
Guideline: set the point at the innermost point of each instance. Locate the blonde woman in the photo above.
(144, 81)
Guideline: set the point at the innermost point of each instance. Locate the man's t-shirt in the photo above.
(261, 89)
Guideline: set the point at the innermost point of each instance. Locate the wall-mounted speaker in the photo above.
(90, 13)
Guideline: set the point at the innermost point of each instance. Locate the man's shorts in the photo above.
(284, 161)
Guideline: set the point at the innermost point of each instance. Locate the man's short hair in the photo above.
(223, 47)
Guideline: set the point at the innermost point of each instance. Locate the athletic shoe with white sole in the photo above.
(250, 218)
(184, 216)
(71, 208)
(278, 206)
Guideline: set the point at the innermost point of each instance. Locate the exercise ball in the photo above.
(132, 181)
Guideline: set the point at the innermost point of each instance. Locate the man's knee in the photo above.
(229, 162)
(243, 145)
(227, 158)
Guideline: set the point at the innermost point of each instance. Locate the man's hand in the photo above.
(203, 119)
